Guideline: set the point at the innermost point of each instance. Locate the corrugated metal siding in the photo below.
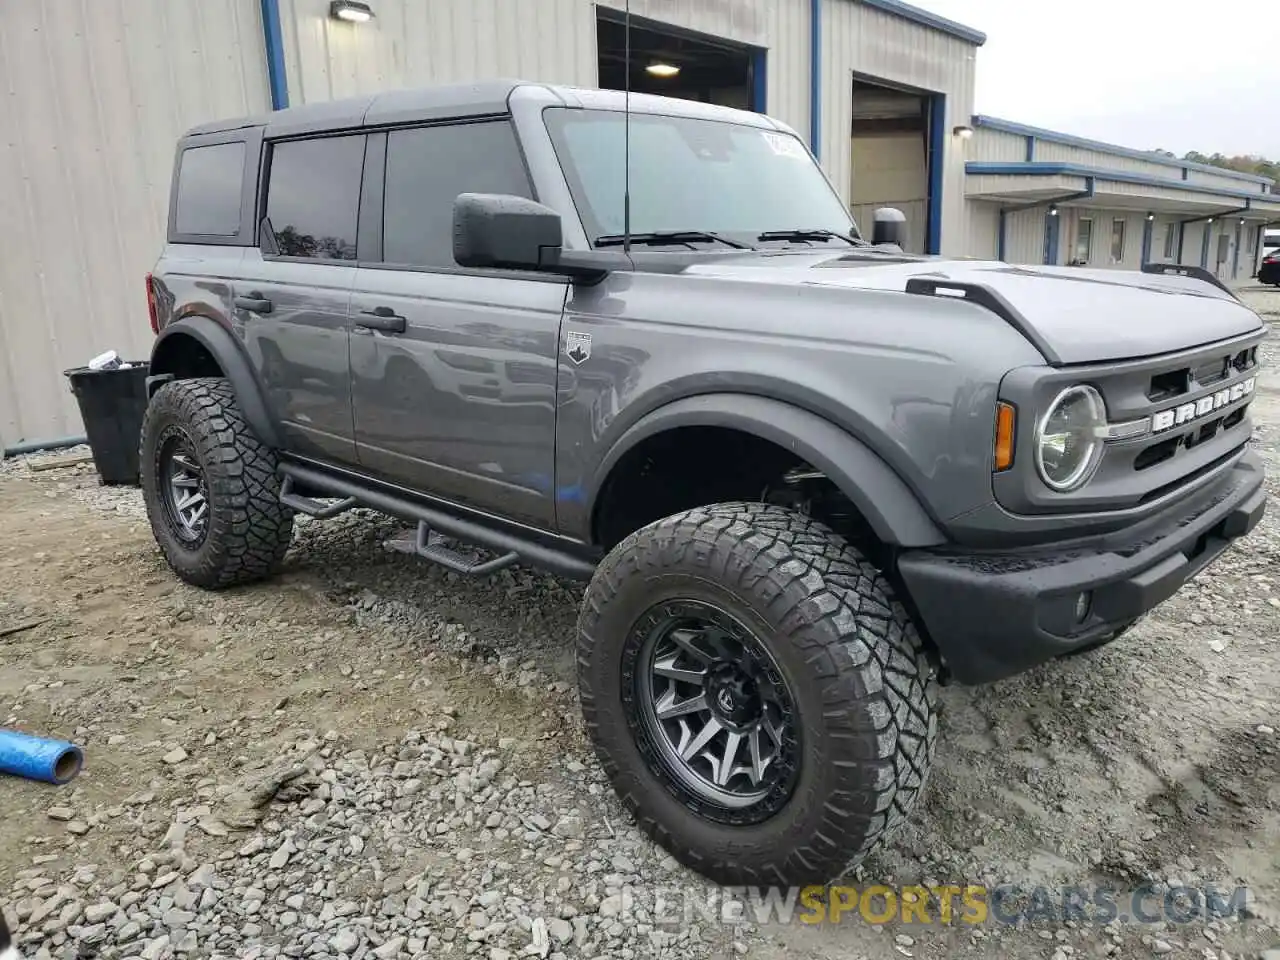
(1024, 240)
(1047, 151)
(859, 39)
(984, 228)
(99, 91)
(416, 43)
(996, 146)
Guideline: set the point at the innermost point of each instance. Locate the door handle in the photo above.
(254, 303)
(382, 318)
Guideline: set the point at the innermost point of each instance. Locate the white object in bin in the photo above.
(106, 361)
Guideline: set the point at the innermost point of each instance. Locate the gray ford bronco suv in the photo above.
(807, 477)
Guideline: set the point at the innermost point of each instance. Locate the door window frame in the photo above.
(373, 198)
(271, 253)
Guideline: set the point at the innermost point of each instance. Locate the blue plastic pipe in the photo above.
(38, 758)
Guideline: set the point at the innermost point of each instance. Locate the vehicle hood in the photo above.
(1073, 314)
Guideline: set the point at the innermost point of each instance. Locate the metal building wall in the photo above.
(417, 43)
(99, 91)
(983, 230)
(880, 46)
(1024, 237)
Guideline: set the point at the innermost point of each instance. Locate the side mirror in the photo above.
(890, 227)
(496, 230)
(504, 232)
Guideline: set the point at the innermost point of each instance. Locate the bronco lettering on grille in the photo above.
(1186, 412)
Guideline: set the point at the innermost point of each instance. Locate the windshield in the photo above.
(692, 175)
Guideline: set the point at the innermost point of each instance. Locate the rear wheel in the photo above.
(210, 486)
(759, 699)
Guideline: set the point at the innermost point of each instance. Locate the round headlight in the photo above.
(1068, 439)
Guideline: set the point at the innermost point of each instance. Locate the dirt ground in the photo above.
(1155, 761)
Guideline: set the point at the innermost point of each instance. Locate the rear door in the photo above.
(295, 290)
(454, 370)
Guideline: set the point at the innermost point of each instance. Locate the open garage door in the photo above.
(674, 62)
(891, 157)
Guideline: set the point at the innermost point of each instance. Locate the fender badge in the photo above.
(577, 346)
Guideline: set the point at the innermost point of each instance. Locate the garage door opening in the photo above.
(893, 141)
(673, 62)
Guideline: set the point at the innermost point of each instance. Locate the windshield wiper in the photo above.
(658, 237)
(808, 235)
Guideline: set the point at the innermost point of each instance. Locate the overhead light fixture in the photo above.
(663, 70)
(963, 132)
(352, 11)
(1053, 211)
(1210, 220)
(1151, 216)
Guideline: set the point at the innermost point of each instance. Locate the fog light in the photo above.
(1083, 604)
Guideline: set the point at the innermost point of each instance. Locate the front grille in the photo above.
(1171, 384)
(1154, 465)
(1189, 434)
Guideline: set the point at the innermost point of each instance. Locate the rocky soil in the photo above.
(369, 757)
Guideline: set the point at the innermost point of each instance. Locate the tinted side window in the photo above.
(313, 196)
(426, 170)
(209, 190)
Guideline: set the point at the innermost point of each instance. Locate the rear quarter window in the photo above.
(209, 189)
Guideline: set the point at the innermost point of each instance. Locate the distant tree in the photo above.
(1242, 163)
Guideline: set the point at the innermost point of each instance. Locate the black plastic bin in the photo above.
(112, 404)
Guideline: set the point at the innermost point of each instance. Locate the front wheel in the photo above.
(760, 701)
(210, 486)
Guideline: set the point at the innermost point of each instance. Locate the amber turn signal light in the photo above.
(1006, 420)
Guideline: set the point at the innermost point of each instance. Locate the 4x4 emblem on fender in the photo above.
(577, 346)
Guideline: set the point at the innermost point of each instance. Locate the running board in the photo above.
(511, 545)
(430, 546)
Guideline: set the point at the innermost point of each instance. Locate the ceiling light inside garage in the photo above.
(663, 70)
(351, 10)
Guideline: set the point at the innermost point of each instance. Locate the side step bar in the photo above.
(511, 546)
(429, 546)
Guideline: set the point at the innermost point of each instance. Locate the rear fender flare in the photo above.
(893, 511)
(227, 351)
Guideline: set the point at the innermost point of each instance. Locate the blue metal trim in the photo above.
(1182, 239)
(1204, 245)
(1001, 240)
(937, 166)
(759, 80)
(1053, 136)
(1031, 149)
(1185, 174)
(1045, 169)
(1147, 226)
(815, 77)
(273, 39)
(927, 19)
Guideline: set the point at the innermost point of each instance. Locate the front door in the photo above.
(293, 298)
(454, 371)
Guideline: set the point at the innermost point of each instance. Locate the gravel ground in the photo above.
(371, 757)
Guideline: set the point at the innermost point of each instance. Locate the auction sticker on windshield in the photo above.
(784, 146)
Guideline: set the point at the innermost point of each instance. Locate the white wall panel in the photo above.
(417, 43)
(983, 230)
(98, 93)
(1024, 239)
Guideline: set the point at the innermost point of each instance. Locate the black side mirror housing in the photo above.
(890, 227)
(504, 232)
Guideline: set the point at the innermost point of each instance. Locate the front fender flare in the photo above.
(893, 511)
(227, 351)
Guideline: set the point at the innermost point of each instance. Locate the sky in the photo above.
(1183, 76)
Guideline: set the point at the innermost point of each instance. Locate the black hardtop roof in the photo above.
(425, 103)
(483, 98)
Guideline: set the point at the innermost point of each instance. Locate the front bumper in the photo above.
(996, 614)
